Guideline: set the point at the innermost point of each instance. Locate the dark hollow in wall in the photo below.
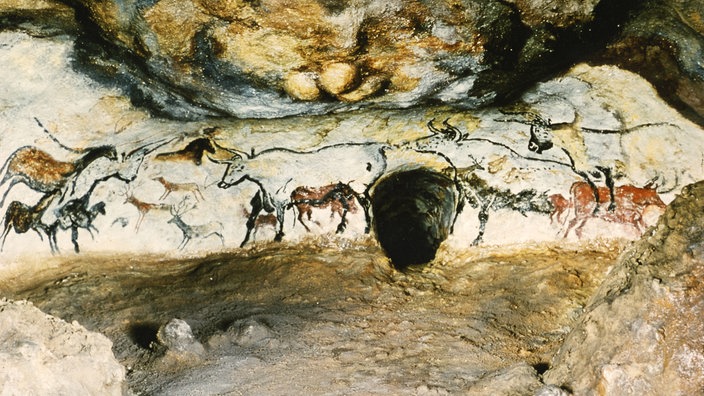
(413, 214)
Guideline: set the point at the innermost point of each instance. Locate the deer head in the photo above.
(180, 209)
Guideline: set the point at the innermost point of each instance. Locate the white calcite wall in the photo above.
(603, 117)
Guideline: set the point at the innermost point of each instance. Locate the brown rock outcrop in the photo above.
(642, 332)
(400, 53)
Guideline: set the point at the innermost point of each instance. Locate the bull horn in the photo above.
(148, 148)
(457, 134)
(235, 157)
(241, 154)
(432, 127)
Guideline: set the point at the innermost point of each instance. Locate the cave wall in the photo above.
(521, 105)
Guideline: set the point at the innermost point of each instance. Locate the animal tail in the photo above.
(52, 137)
(3, 172)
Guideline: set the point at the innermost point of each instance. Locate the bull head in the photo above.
(540, 138)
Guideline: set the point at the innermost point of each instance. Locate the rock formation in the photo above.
(195, 58)
(642, 331)
(42, 354)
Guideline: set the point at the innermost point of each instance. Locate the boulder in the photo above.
(642, 331)
(41, 354)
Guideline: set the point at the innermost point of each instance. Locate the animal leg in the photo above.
(300, 216)
(571, 225)
(257, 206)
(4, 235)
(184, 242)
(609, 180)
(202, 198)
(578, 229)
(74, 239)
(51, 236)
(92, 228)
(280, 219)
(139, 222)
(343, 222)
(483, 219)
(217, 234)
(365, 201)
(458, 209)
(343, 217)
(12, 183)
(165, 194)
(38, 233)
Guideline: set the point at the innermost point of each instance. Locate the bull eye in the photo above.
(369, 166)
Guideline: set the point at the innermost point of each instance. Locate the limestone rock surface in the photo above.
(41, 355)
(642, 331)
(664, 42)
(273, 58)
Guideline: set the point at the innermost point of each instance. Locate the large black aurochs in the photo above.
(413, 214)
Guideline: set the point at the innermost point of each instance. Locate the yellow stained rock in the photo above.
(370, 86)
(338, 77)
(259, 52)
(175, 23)
(228, 10)
(302, 86)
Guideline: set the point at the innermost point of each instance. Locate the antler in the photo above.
(180, 208)
(148, 148)
(125, 191)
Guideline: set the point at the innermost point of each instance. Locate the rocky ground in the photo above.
(294, 319)
(321, 318)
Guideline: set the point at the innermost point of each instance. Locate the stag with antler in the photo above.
(201, 231)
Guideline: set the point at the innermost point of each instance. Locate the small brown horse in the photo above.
(339, 197)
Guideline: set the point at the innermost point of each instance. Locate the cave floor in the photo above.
(312, 318)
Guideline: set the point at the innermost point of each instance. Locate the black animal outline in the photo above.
(73, 215)
(22, 218)
(366, 163)
(41, 172)
(193, 151)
